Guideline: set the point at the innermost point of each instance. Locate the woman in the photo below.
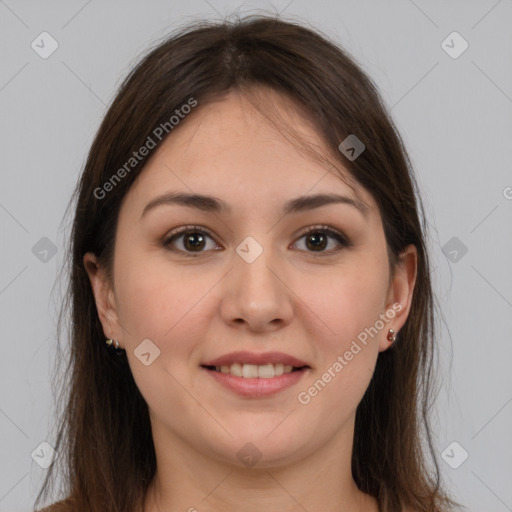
(251, 304)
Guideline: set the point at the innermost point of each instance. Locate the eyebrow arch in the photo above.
(215, 205)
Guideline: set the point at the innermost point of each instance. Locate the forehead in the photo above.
(230, 149)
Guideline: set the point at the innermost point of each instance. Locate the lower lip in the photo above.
(255, 388)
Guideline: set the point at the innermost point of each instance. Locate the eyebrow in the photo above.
(215, 205)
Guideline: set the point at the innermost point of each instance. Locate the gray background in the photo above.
(454, 115)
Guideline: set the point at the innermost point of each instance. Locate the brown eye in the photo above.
(190, 240)
(317, 239)
(194, 241)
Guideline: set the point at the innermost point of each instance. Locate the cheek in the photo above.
(347, 350)
(346, 301)
(165, 305)
(353, 304)
(157, 298)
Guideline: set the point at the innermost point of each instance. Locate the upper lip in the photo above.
(254, 358)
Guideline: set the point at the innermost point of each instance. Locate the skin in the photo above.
(309, 303)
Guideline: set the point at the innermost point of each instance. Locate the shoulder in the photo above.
(59, 506)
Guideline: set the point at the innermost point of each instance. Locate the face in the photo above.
(251, 271)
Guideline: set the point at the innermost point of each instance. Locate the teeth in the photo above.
(252, 371)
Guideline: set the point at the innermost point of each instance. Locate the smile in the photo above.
(256, 381)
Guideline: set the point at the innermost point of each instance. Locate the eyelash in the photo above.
(174, 235)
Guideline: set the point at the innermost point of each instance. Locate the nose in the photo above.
(256, 295)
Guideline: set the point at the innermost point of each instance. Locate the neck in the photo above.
(187, 480)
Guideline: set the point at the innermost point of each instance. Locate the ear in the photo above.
(399, 297)
(104, 298)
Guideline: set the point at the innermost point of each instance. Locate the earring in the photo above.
(391, 336)
(114, 343)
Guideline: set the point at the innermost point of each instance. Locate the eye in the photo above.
(317, 239)
(193, 240)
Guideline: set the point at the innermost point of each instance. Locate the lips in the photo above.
(245, 357)
(256, 388)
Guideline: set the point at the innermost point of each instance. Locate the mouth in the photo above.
(256, 381)
(256, 375)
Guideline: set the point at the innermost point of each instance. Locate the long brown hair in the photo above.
(104, 432)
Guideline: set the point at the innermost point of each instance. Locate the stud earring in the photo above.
(391, 336)
(114, 343)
